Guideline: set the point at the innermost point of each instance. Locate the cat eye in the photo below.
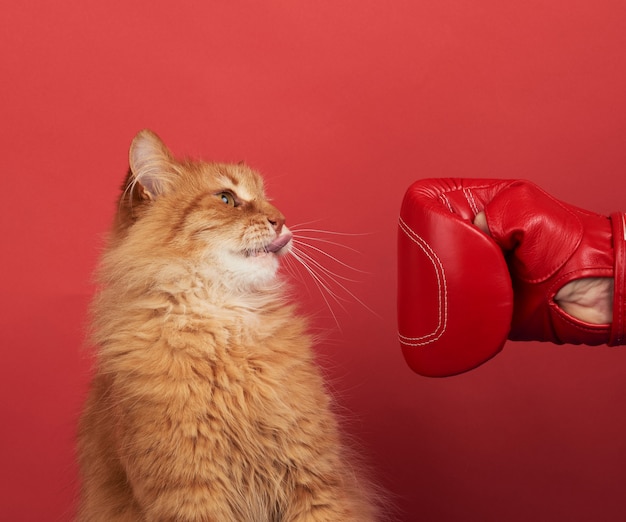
(228, 198)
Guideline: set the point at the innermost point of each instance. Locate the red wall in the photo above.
(342, 105)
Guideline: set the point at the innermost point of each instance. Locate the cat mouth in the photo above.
(278, 247)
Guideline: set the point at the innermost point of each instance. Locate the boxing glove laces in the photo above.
(462, 293)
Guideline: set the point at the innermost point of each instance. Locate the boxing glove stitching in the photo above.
(442, 312)
(469, 196)
(446, 202)
(442, 296)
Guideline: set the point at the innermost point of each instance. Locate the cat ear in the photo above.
(151, 164)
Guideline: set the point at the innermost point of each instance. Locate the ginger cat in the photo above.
(206, 404)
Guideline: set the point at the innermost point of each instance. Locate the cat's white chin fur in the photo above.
(257, 267)
(251, 270)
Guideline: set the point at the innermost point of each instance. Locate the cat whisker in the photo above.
(299, 227)
(327, 241)
(288, 266)
(295, 228)
(318, 271)
(350, 293)
(327, 280)
(322, 268)
(305, 223)
(323, 252)
(322, 286)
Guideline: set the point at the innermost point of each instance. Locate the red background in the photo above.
(341, 104)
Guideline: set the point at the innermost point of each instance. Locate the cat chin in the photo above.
(256, 254)
(261, 254)
(262, 263)
(250, 268)
(253, 267)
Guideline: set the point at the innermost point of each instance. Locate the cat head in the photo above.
(213, 216)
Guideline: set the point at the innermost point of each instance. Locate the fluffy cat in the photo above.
(206, 404)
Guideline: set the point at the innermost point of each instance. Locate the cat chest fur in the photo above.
(236, 405)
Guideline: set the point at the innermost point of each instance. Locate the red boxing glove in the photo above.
(546, 243)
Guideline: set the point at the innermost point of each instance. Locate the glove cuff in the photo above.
(617, 334)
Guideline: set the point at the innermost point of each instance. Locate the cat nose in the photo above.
(274, 216)
(277, 221)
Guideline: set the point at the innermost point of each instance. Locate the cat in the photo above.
(206, 402)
